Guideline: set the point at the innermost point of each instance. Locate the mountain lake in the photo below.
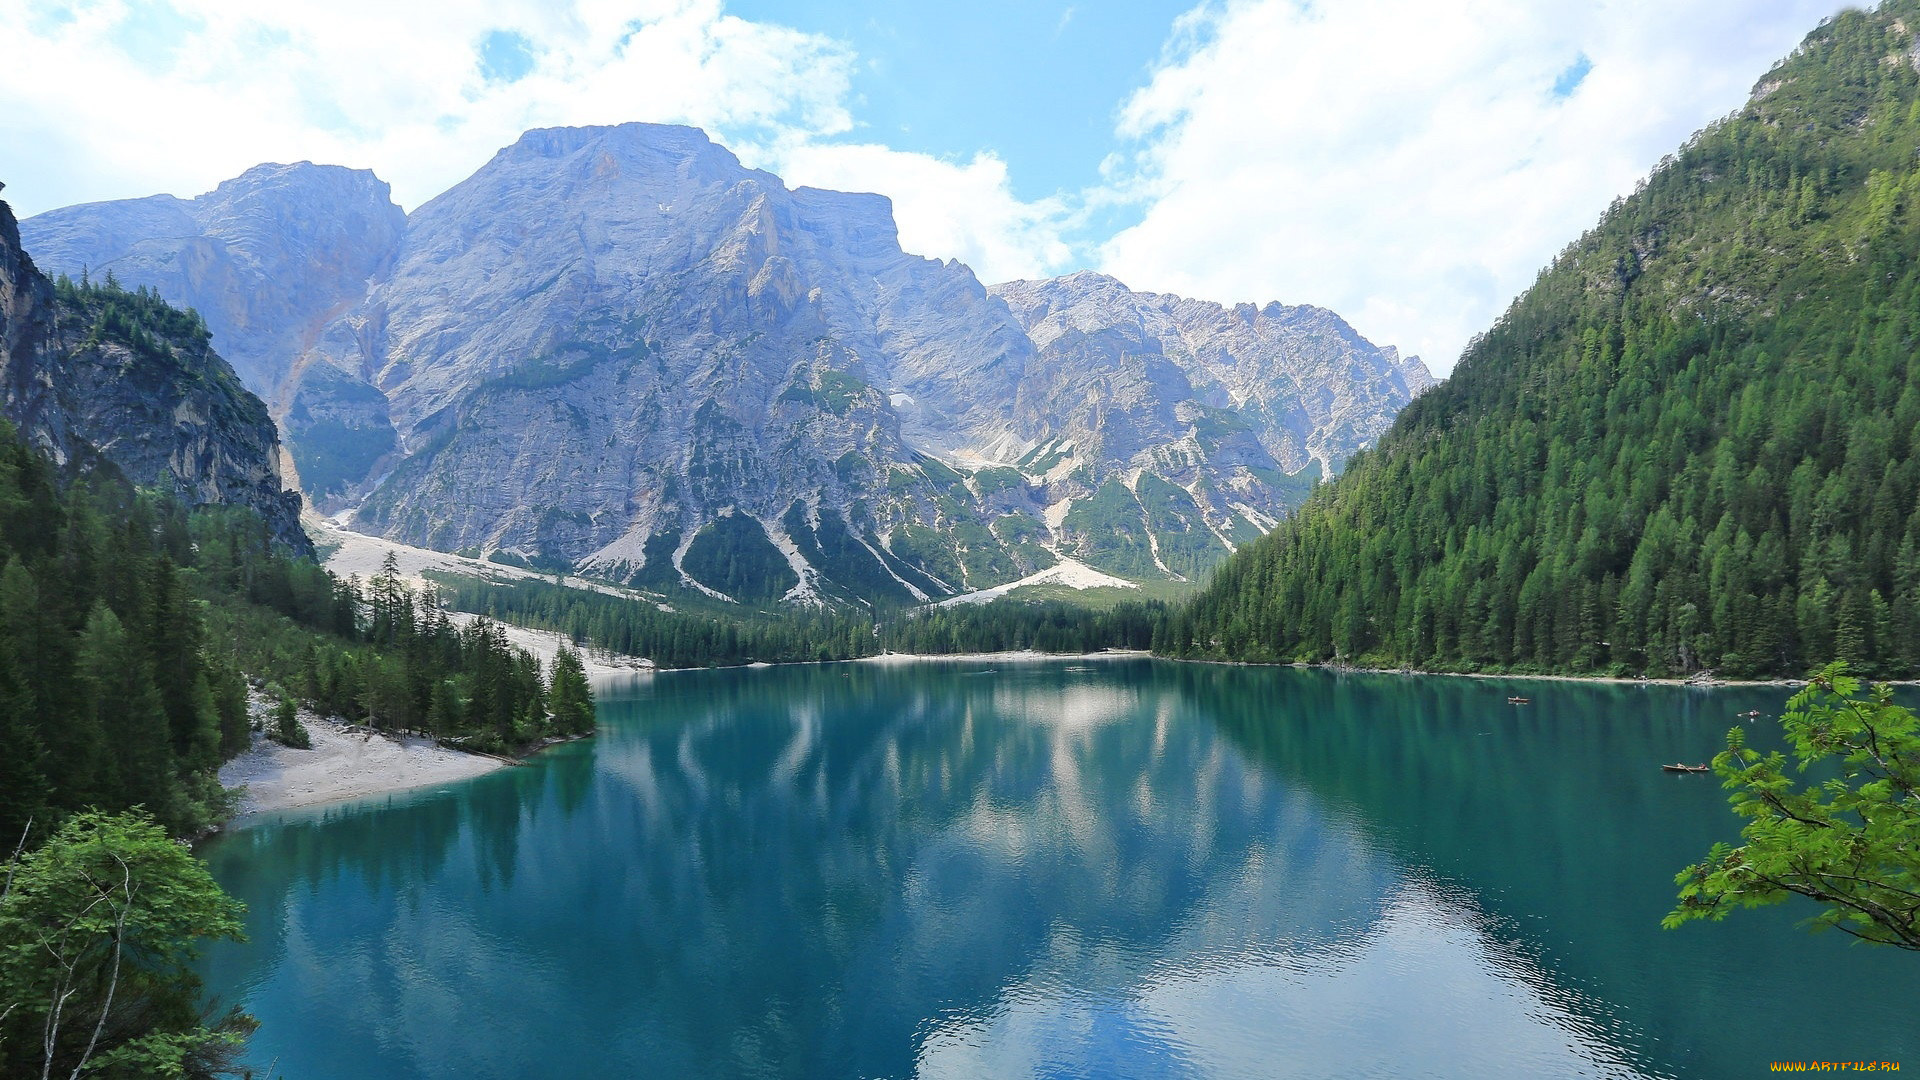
(1071, 868)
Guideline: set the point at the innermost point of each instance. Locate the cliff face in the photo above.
(95, 376)
(1225, 415)
(269, 259)
(1308, 387)
(619, 349)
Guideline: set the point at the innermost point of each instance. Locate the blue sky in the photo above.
(1408, 163)
(1041, 84)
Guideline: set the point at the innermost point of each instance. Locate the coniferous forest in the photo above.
(1691, 447)
(1693, 444)
(684, 639)
(129, 627)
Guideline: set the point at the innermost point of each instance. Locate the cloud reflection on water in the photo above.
(1132, 871)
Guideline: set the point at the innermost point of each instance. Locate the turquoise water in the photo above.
(1104, 869)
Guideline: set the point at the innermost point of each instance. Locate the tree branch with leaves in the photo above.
(1850, 842)
(99, 929)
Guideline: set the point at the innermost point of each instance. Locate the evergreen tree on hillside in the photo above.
(126, 625)
(1693, 444)
(571, 700)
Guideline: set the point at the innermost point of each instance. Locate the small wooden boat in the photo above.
(1754, 714)
(1687, 768)
(1519, 701)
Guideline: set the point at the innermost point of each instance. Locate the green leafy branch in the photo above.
(1851, 842)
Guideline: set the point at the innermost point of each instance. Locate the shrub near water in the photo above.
(99, 930)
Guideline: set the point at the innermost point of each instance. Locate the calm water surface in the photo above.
(1108, 869)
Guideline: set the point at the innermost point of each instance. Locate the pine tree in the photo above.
(125, 705)
(569, 696)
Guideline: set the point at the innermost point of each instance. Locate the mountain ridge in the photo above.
(607, 341)
(95, 377)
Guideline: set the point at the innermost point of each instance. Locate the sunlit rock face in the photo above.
(619, 349)
(1303, 384)
(141, 393)
(1216, 420)
(270, 259)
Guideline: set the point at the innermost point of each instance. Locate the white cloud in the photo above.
(91, 106)
(1404, 162)
(964, 211)
(114, 98)
(1409, 164)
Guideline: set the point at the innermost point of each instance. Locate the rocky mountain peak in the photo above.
(98, 377)
(265, 257)
(618, 348)
(646, 153)
(1315, 387)
(861, 223)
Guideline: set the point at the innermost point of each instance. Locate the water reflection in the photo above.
(1134, 870)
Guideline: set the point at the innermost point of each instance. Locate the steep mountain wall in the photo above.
(269, 259)
(100, 377)
(619, 349)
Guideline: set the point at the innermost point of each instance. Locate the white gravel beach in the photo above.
(343, 765)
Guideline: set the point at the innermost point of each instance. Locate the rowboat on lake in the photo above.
(1686, 768)
(1519, 701)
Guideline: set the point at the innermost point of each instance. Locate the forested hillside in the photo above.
(1690, 445)
(128, 627)
(108, 697)
(717, 637)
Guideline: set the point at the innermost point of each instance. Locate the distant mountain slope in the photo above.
(618, 349)
(95, 376)
(1217, 420)
(269, 259)
(1692, 444)
(1309, 386)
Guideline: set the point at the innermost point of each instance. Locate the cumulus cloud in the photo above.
(116, 98)
(1412, 165)
(109, 98)
(1408, 163)
(964, 211)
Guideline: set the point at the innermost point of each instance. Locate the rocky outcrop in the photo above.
(1226, 415)
(618, 349)
(1308, 387)
(269, 259)
(96, 377)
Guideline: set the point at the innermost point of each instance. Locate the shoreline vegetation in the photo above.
(341, 768)
(594, 618)
(596, 624)
(349, 762)
(1698, 681)
(129, 653)
(1703, 680)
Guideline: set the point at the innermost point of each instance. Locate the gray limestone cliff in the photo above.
(620, 350)
(99, 377)
(1216, 421)
(270, 259)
